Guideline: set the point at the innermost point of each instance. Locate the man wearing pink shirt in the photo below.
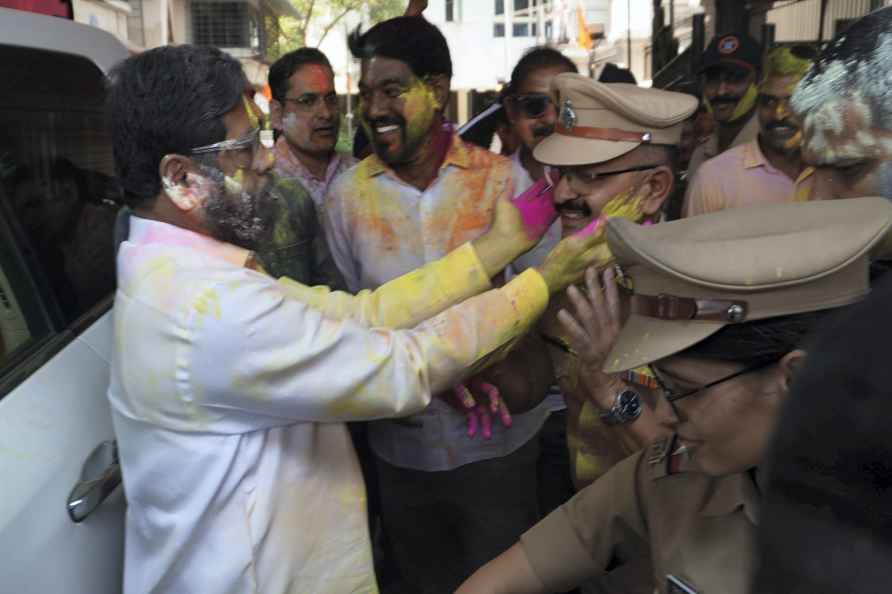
(769, 168)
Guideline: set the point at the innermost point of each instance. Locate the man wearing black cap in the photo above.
(730, 72)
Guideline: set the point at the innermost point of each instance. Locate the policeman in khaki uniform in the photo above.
(720, 308)
(614, 146)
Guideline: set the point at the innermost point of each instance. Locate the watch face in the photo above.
(630, 404)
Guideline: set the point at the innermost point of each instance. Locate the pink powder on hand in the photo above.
(592, 228)
(536, 208)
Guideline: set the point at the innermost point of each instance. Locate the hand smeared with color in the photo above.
(624, 206)
(536, 206)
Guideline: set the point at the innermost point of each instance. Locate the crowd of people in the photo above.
(441, 369)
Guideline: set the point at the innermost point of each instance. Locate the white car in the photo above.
(61, 504)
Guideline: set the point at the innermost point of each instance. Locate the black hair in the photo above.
(826, 518)
(759, 341)
(168, 100)
(614, 74)
(285, 67)
(536, 58)
(164, 101)
(412, 40)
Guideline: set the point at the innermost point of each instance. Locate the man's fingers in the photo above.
(472, 423)
(611, 295)
(505, 415)
(485, 421)
(464, 396)
(495, 397)
(581, 307)
(578, 336)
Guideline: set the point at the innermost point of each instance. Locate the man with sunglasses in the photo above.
(229, 389)
(729, 72)
(770, 167)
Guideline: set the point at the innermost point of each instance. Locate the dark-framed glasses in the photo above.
(533, 105)
(309, 102)
(672, 396)
(555, 174)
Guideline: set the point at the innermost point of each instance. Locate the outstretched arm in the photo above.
(509, 573)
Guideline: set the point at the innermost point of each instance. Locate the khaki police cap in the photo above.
(694, 276)
(598, 122)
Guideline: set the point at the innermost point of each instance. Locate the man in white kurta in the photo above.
(229, 389)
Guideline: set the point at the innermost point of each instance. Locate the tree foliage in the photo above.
(320, 17)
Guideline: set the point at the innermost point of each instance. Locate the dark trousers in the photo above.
(443, 526)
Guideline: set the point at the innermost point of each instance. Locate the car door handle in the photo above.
(100, 475)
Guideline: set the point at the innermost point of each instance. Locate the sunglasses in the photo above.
(533, 105)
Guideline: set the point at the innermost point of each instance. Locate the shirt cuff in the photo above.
(464, 263)
(556, 554)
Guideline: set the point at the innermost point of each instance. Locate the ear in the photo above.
(510, 107)
(175, 182)
(657, 189)
(275, 114)
(788, 367)
(440, 84)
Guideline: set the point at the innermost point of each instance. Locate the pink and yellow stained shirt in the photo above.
(229, 393)
(740, 177)
(380, 227)
(288, 166)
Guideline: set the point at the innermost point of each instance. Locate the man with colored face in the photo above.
(614, 148)
(447, 499)
(770, 168)
(843, 103)
(305, 112)
(229, 390)
(729, 72)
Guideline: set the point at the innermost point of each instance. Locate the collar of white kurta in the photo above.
(147, 231)
(457, 155)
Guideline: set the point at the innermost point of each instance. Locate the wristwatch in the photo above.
(626, 408)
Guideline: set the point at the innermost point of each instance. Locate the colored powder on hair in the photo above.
(781, 61)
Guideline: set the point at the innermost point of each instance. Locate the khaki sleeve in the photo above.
(405, 301)
(578, 540)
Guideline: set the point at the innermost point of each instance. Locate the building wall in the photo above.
(109, 15)
(801, 21)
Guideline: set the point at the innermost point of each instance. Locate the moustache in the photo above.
(576, 205)
(727, 99)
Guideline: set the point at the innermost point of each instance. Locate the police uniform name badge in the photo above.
(676, 585)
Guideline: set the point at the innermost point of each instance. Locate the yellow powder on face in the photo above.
(746, 103)
(419, 106)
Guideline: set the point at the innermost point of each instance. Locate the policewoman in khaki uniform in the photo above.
(721, 306)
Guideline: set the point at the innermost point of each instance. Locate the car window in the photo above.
(57, 183)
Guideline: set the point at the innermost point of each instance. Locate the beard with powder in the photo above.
(238, 216)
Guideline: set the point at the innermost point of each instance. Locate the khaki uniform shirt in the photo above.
(700, 529)
(710, 148)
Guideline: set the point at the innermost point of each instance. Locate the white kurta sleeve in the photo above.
(406, 300)
(259, 351)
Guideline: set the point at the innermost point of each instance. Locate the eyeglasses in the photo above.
(587, 178)
(673, 397)
(533, 105)
(308, 102)
(243, 148)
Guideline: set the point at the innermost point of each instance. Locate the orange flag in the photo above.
(584, 39)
